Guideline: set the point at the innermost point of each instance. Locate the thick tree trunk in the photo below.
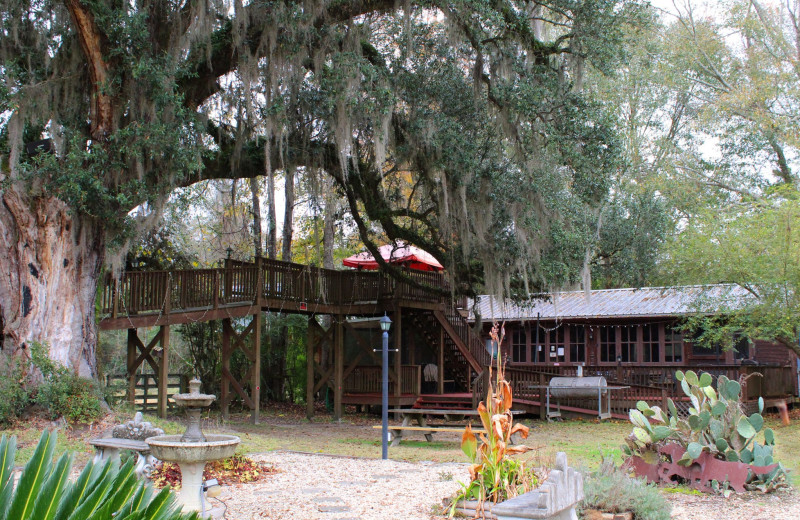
(329, 227)
(50, 262)
(288, 216)
(272, 226)
(256, 197)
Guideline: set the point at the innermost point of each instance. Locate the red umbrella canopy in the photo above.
(402, 254)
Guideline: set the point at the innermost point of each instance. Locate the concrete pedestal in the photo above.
(191, 485)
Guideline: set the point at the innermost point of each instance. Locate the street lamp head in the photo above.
(229, 250)
(386, 323)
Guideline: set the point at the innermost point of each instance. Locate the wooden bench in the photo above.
(129, 436)
(396, 432)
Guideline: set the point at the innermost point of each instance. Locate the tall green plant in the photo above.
(101, 492)
(494, 475)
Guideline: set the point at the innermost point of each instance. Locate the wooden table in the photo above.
(453, 420)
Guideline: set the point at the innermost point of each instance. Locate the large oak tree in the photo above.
(460, 126)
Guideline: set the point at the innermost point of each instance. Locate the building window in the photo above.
(703, 349)
(519, 347)
(627, 344)
(491, 348)
(650, 344)
(577, 344)
(741, 348)
(557, 345)
(673, 345)
(608, 344)
(538, 345)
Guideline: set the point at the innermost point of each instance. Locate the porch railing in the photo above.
(652, 384)
(366, 379)
(137, 292)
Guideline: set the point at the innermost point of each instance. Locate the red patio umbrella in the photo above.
(402, 254)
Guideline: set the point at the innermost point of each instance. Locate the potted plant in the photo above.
(500, 485)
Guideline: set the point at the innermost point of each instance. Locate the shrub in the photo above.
(609, 489)
(15, 396)
(64, 394)
(102, 491)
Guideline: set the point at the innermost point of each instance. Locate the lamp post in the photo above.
(386, 323)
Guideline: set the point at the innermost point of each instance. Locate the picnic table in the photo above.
(451, 421)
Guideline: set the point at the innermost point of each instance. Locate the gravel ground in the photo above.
(324, 487)
(781, 505)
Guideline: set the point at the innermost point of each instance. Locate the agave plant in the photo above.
(101, 492)
(494, 476)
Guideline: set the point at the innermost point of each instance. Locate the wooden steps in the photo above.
(455, 401)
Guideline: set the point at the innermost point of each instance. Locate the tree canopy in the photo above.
(461, 127)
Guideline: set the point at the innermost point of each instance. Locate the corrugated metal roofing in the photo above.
(610, 303)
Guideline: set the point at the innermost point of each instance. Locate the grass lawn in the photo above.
(286, 428)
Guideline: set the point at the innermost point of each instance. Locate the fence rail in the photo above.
(366, 379)
(146, 395)
(653, 384)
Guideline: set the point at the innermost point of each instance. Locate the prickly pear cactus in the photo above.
(715, 424)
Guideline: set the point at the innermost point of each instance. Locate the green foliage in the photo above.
(62, 393)
(755, 246)
(715, 424)
(609, 489)
(101, 492)
(15, 397)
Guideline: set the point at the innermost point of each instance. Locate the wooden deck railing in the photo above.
(366, 379)
(652, 384)
(138, 292)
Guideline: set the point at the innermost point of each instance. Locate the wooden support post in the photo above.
(338, 360)
(398, 337)
(310, 342)
(259, 296)
(225, 389)
(256, 384)
(440, 364)
(131, 367)
(163, 371)
(542, 394)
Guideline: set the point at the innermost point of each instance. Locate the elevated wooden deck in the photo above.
(246, 289)
(159, 298)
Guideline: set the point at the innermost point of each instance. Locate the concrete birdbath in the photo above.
(192, 449)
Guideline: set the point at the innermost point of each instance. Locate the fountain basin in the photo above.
(193, 400)
(171, 448)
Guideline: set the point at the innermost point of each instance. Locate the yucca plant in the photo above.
(101, 492)
(494, 476)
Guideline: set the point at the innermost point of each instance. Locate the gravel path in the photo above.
(781, 505)
(325, 487)
(322, 487)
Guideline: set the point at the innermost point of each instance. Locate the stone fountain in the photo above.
(192, 449)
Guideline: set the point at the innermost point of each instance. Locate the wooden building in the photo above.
(631, 337)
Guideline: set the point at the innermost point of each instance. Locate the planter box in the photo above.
(554, 499)
(594, 514)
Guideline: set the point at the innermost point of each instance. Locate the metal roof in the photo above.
(610, 303)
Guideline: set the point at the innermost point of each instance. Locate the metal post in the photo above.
(385, 398)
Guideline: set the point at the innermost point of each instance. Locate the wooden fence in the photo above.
(146, 397)
(367, 379)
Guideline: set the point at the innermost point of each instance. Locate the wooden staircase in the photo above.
(464, 354)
